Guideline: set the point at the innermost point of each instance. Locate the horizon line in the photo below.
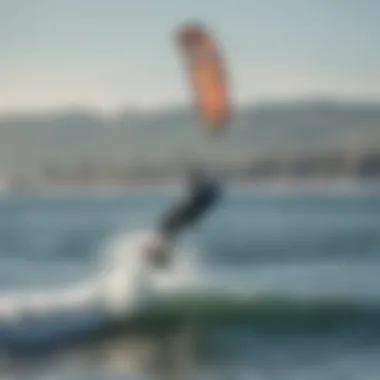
(146, 109)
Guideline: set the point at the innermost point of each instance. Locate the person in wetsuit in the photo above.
(204, 193)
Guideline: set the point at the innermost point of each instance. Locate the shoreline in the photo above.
(345, 185)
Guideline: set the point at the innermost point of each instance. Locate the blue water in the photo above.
(315, 249)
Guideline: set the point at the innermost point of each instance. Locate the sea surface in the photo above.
(285, 285)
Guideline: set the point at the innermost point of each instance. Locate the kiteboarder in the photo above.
(204, 193)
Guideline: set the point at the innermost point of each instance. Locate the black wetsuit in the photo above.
(204, 193)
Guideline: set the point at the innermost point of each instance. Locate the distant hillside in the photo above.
(35, 143)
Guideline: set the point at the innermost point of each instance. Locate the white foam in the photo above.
(123, 281)
(128, 278)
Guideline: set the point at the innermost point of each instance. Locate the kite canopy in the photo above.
(207, 76)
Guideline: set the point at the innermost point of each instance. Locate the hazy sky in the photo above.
(111, 53)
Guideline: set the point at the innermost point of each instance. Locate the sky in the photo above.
(111, 54)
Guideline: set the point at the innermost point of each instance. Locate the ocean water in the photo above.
(276, 284)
